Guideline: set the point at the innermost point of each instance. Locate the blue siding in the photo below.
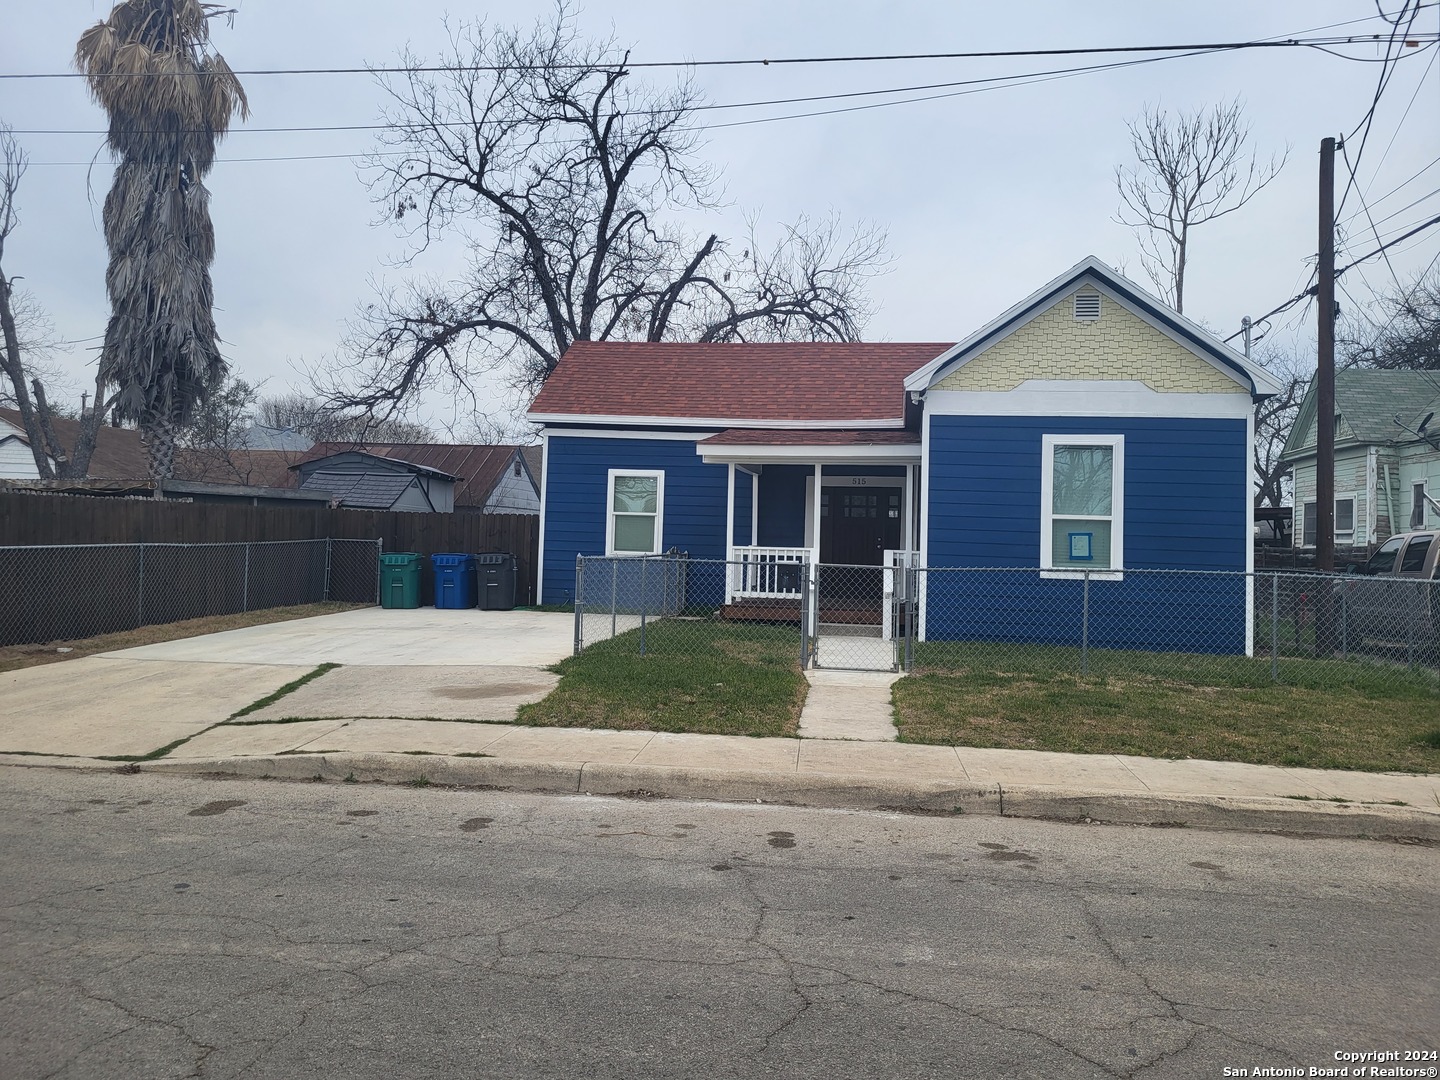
(782, 505)
(744, 503)
(1186, 486)
(576, 476)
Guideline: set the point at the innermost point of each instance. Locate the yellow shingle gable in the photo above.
(1117, 346)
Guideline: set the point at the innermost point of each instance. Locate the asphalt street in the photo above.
(155, 926)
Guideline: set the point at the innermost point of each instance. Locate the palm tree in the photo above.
(170, 99)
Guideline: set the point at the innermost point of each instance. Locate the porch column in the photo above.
(754, 509)
(815, 510)
(909, 508)
(730, 517)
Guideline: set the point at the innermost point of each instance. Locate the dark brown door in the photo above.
(858, 526)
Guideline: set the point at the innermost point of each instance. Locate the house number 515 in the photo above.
(858, 481)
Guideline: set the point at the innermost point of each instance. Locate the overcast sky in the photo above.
(984, 196)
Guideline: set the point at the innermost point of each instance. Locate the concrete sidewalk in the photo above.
(431, 694)
(818, 772)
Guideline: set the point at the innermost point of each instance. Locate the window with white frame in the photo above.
(1082, 493)
(635, 516)
(1344, 521)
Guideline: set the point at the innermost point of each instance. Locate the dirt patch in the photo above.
(13, 657)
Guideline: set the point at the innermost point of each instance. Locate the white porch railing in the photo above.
(897, 565)
(767, 573)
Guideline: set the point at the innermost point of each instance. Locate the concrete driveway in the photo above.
(381, 637)
(423, 663)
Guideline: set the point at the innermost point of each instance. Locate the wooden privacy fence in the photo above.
(67, 592)
(35, 520)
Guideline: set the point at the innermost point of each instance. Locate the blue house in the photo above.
(1088, 428)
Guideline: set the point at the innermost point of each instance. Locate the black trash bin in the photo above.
(495, 574)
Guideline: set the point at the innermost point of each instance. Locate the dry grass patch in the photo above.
(21, 656)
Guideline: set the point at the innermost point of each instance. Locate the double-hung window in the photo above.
(1082, 494)
(634, 518)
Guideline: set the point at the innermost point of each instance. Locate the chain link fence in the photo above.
(1236, 628)
(64, 593)
(674, 605)
(1211, 627)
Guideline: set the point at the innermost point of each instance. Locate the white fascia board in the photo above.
(611, 433)
(1061, 397)
(540, 555)
(842, 455)
(1106, 281)
(718, 422)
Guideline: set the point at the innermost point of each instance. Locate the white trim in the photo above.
(1105, 279)
(610, 433)
(1097, 397)
(809, 536)
(924, 545)
(1424, 485)
(754, 509)
(1354, 497)
(730, 515)
(844, 455)
(1116, 517)
(909, 508)
(659, 542)
(1372, 511)
(718, 422)
(540, 552)
(815, 507)
(1250, 538)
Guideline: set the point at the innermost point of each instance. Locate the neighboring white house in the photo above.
(1387, 456)
(16, 460)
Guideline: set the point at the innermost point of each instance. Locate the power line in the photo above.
(1403, 304)
(989, 54)
(1387, 72)
(1401, 185)
(1309, 292)
(1366, 209)
(1001, 83)
(1054, 72)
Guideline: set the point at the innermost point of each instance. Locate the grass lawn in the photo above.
(1326, 714)
(697, 676)
(20, 656)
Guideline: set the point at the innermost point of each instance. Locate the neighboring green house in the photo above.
(1387, 456)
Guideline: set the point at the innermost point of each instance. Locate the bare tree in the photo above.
(1190, 169)
(26, 338)
(567, 179)
(1274, 417)
(325, 423)
(1401, 331)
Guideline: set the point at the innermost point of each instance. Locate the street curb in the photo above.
(838, 791)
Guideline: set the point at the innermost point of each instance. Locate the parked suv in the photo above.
(1400, 603)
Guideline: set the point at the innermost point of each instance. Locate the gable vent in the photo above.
(1087, 305)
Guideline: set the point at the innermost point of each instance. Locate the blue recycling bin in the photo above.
(454, 580)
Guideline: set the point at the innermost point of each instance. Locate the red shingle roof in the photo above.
(785, 382)
(792, 437)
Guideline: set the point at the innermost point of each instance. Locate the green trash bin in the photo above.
(400, 580)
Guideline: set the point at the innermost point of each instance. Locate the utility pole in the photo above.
(1325, 368)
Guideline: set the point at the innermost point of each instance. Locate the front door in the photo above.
(858, 526)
